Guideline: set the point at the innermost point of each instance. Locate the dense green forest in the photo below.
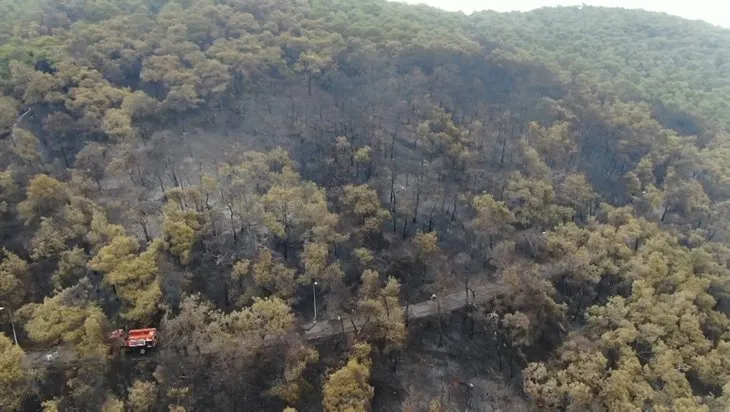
(354, 205)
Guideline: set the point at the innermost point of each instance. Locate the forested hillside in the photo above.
(354, 205)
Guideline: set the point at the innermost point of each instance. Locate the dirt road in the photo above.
(448, 303)
(321, 330)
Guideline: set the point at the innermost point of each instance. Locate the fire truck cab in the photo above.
(140, 340)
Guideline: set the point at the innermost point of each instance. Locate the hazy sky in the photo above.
(712, 11)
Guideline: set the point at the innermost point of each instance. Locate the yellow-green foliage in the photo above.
(135, 276)
(348, 389)
(54, 322)
(13, 274)
(14, 378)
(181, 231)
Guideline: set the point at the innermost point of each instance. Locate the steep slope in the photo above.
(681, 67)
(232, 170)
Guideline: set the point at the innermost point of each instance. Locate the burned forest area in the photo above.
(361, 205)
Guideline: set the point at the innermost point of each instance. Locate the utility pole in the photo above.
(352, 322)
(12, 324)
(314, 294)
(438, 304)
(441, 331)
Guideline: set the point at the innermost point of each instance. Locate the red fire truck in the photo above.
(135, 339)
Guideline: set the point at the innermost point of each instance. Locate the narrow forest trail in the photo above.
(38, 359)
